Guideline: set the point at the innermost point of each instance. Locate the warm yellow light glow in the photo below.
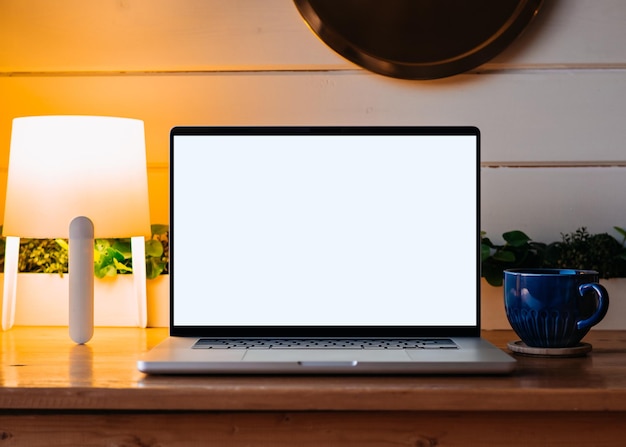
(61, 167)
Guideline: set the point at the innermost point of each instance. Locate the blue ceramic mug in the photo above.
(553, 308)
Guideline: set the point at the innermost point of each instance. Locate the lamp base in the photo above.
(81, 302)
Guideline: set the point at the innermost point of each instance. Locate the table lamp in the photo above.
(76, 177)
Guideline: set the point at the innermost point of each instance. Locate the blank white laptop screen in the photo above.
(324, 230)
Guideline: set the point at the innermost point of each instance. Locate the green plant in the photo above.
(581, 250)
(111, 256)
(517, 251)
(158, 251)
(2, 252)
(42, 256)
(577, 250)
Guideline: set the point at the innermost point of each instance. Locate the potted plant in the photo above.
(577, 250)
(112, 266)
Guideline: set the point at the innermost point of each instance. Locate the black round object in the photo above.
(418, 39)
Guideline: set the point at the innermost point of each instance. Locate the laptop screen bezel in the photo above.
(322, 331)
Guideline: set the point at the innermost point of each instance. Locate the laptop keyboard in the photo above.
(412, 343)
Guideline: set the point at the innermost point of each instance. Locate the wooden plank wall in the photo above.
(551, 107)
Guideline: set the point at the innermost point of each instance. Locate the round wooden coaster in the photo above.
(519, 347)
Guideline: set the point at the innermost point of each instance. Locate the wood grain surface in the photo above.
(43, 369)
(53, 392)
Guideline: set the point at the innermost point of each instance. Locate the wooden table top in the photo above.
(43, 369)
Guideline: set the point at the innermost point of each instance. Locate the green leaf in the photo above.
(115, 255)
(492, 274)
(159, 228)
(487, 241)
(154, 267)
(105, 271)
(494, 280)
(122, 246)
(622, 232)
(516, 238)
(102, 244)
(63, 244)
(154, 248)
(121, 267)
(504, 256)
(485, 252)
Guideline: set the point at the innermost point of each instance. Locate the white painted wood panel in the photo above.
(182, 35)
(533, 117)
(545, 202)
(161, 35)
(571, 33)
(158, 189)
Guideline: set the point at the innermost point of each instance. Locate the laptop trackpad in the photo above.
(325, 355)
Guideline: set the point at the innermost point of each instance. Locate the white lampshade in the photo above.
(61, 167)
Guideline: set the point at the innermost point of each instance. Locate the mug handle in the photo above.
(603, 305)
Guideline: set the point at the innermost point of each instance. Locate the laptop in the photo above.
(325, 250)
